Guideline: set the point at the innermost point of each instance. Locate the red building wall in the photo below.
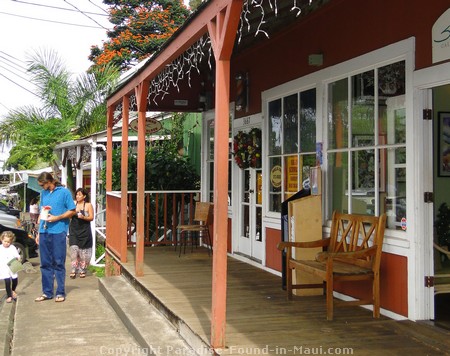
(273, 256)
(393, 285)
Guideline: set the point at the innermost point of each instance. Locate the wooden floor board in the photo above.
(260, 317)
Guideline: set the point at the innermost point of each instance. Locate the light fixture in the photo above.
(315, 59)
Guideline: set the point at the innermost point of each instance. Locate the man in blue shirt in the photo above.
(58, 201)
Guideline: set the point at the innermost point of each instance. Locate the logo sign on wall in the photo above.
(151, 125)
(441, 38)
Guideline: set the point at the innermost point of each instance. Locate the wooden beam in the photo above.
(109, 141)
(124, 180)
(222, 30)
(141, 97)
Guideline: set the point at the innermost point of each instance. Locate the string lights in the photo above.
(181, 67)
(189, 62)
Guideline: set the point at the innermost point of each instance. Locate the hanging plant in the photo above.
(247, 148)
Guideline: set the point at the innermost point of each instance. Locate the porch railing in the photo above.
(163, 212)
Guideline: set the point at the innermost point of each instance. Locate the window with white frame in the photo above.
(291, 145)
(210, 162)
(366, 170)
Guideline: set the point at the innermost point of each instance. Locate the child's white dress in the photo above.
(6, 255)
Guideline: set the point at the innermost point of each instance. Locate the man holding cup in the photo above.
(57, 207)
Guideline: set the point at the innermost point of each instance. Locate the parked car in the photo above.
(8, 210)
(24, 243)
(9, 220)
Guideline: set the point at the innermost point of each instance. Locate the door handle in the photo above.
(251, 191)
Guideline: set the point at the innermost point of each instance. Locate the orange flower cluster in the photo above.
(117, 49)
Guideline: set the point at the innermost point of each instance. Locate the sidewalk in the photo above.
(85, 324)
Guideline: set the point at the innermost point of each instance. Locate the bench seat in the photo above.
(351, 253)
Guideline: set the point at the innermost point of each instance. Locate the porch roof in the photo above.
(185, 61)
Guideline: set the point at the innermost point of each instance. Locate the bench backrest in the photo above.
(354, 232)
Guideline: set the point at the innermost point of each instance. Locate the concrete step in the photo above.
(154, 332)
(7, 311)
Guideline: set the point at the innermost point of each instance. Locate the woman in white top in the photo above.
(34, 210)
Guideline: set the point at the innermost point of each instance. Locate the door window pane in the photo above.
(275, 127)
(275, 184)
(338, 114)
(290, 175)
(396, 187)
(362, 119)
(306, 163)
(308, 121)
(290, 124)
(337, 181)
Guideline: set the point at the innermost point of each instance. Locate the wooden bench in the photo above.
(441, 280)
(351, 253)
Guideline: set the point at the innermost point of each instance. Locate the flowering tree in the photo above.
(140, 29)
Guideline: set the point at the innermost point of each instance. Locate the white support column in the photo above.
(79, 171)
(93, 196)
(64, 175)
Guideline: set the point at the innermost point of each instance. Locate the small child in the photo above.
(7, 253)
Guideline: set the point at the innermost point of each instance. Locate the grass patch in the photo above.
(98, 271)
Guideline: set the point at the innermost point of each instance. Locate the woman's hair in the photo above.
(47, 177)
(33, 201)
(84, 192)
(8, 235)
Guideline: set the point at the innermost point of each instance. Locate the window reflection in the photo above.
(365, 175)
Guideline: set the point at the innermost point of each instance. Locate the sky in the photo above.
(70, 27)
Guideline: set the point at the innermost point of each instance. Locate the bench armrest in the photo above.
(366, 252)
(306, 244)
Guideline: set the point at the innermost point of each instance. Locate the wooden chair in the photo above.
(202, 219)
(353, 253)
(441, 280)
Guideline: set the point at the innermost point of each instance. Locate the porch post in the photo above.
(141, 96)
(109, 129)
(222, 30)
(124, 180)
(219, 271)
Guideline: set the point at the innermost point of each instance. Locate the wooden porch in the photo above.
(259, 318)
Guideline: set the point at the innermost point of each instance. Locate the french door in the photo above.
(250, 205)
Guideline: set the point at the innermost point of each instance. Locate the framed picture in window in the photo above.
(443, 144)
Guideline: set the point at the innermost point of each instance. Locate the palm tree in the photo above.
(71, 108)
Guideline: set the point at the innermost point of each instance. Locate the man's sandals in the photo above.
(58, 299)
(41, 298)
